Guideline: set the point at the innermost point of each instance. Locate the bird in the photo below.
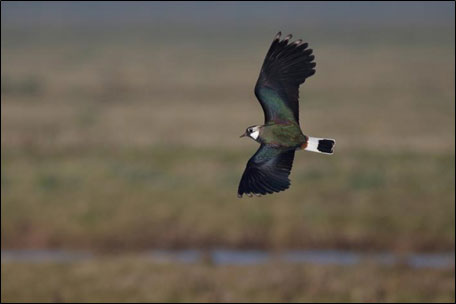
(286, 66)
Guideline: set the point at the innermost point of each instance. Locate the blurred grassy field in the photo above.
(123, 143)
(132, 279)
(125, 139)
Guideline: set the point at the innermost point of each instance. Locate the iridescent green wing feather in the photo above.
(267, 171)
(285, 68)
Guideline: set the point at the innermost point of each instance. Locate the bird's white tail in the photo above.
(320, 145)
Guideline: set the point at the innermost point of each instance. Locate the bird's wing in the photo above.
(286, 66)
(267, 171)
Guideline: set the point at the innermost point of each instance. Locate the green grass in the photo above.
(120, 140)
(182, 197)
(136, 279)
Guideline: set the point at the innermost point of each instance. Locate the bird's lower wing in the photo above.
(267, 171)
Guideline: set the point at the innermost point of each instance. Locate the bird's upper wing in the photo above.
(267, 171)
(286, 66)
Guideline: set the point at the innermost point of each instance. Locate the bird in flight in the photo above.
(286, 66)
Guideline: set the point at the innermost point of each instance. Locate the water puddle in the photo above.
(246, 257)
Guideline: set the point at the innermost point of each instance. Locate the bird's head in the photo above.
(253, 132)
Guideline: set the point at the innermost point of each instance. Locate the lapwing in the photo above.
(286, 66)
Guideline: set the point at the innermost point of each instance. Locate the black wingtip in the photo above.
(277, 36)
(261, 178)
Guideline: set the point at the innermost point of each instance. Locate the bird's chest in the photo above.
(282, 135)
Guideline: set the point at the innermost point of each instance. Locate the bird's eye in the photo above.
(249, 130)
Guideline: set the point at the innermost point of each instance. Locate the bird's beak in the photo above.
(243, 135)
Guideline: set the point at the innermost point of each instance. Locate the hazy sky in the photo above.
(228, 13)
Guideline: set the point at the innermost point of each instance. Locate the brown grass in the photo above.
(133, 279)
(127, 143)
